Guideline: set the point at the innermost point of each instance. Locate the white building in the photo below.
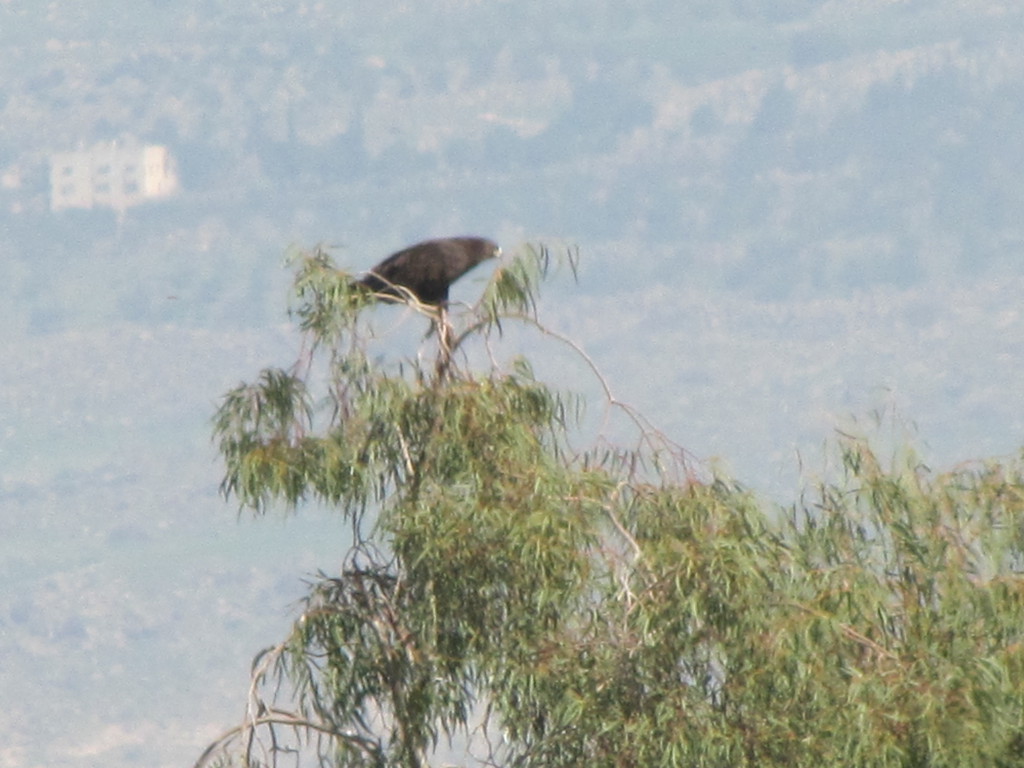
(111, 175)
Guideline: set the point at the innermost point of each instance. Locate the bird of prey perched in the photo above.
(427, 270)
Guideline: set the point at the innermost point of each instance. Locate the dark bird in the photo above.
(427, 269)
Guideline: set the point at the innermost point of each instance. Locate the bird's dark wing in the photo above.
(428, 269)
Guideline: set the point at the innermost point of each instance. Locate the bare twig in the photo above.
(275, 717)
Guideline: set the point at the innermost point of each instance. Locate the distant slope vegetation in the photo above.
(732, 171)
(815, 155)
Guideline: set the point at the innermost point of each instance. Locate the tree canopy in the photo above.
(515, 598)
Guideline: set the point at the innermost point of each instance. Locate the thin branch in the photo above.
(280, 717)
(649, 434)
(847, 630)
(620, 527)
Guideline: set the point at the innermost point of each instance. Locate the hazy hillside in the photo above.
(809, 151)
(788, 213)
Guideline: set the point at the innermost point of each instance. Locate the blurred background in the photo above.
(791, 219)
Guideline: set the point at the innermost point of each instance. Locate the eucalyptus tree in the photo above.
(514, 597)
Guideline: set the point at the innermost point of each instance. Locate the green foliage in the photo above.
(528, 605)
